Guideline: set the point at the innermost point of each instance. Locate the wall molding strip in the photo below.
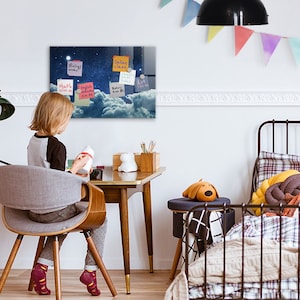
(191, 98)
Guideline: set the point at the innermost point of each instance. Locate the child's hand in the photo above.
(79, 162)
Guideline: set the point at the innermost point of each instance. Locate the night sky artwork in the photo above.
(106, 82)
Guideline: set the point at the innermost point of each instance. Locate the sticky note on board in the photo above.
(127, 78)
(80, 102)
(74, 68)
(141, 83)
(120, 63)
(86, 90)
(116, 89)
(65, 86)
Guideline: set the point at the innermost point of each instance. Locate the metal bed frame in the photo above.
(276, 125)
(244, 210)
(280, 132)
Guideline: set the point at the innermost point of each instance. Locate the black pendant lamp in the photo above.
(6, 109)
(232, 12)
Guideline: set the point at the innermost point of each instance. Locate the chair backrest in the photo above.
(29, 187)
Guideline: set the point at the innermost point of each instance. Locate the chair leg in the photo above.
(57, 268)
(99, 261)
(176, 259)
(10, 260)
(38, 252)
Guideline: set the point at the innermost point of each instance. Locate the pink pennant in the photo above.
(270, 43)
(242, 35)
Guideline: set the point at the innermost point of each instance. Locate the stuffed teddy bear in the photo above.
(128, 163)
(201, 191)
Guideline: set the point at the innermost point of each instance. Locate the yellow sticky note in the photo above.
(120, 63)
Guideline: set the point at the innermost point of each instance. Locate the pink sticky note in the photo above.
(86, 90)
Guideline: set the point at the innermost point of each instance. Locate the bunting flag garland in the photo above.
(191, 12)
(270, 42)
(164, 2)
(295, 47)
(242, 35)
(213, 31)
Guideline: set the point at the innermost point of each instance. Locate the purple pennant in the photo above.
(270, 43)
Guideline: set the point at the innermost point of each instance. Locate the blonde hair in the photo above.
(52, 111)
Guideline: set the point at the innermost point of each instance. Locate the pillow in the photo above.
(269, 164)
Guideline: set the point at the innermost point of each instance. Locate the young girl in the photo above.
(51, 117)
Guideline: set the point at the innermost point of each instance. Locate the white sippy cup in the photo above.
(90, 152)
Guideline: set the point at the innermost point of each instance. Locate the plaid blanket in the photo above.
(269, 228)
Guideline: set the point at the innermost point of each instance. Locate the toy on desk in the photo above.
(129, 176)
(201, 191)
(128, 163)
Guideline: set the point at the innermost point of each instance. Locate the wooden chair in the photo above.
(24, 188)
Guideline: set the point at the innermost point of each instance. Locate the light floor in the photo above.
(144, 285)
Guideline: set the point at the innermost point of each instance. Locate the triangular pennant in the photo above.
(295, 47)
(242, 35)
(213, 31)
(270, 43)
(192, 9)
(164, 2)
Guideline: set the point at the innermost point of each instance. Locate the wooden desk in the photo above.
(118, 187)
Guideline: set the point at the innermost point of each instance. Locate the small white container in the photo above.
(87, 168)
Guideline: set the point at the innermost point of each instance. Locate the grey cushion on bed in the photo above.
(24, 188)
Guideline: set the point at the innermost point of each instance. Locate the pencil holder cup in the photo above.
(149, 162)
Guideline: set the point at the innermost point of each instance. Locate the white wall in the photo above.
(216, 142)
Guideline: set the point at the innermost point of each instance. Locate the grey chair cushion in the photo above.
(18, 221)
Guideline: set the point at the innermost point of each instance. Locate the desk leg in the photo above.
(148, 221)
(123, 205)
